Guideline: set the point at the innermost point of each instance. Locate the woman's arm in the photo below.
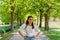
(21, 34)
(37, 30)
(21, 30)
(37, 34)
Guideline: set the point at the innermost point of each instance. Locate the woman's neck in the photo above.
(30, 24)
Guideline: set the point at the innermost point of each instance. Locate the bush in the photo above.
(4, 28)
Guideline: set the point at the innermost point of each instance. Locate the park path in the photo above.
(16, 36)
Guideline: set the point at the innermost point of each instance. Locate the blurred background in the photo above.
(46, 14)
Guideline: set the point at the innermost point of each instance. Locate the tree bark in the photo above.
(12, 14)
(47, 19)
(20, 22)
(40, 25)
(47, 14)
(47, 22)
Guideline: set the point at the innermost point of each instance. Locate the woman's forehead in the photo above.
(30, 18)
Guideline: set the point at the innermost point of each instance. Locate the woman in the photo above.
(28, 30)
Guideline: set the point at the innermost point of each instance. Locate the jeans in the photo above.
(29, 38)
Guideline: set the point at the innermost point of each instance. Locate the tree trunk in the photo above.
(47, 14)
(12, 14)
(20, 22)
(12, 23)
(40, 25)
(46, 22)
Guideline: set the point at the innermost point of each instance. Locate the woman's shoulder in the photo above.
(23, 25)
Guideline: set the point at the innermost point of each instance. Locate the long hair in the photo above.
(28, 22)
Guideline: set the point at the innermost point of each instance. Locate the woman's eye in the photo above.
(30, 19)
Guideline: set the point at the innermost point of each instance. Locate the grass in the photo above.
(8, 34)
(52, 33)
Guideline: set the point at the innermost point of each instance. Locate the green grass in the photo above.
(52, 34)
(8, 34)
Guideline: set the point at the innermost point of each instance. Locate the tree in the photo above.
(47, 15)
(12, 14)
(4, 11)
(21, 9)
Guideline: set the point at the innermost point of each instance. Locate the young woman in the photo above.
(28, 30)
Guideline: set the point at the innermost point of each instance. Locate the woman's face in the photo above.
(30, 20)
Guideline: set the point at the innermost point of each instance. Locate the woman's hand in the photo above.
(24, 36)
(35, 36)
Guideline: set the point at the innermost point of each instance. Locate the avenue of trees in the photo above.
(16, 11)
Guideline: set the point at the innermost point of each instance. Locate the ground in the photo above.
(16, 36)
(55, 29)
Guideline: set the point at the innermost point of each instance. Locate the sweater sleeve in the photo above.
(37, 29)
(22, 28)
